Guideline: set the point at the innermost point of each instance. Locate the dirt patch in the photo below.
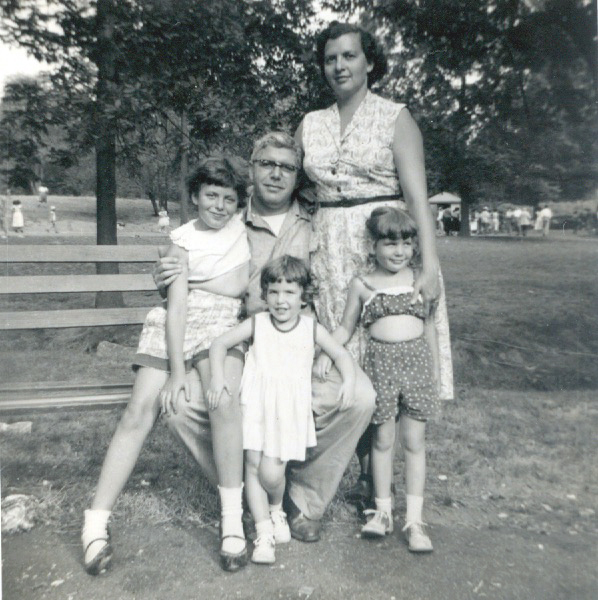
(155, 563)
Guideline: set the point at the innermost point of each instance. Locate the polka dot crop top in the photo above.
(388, 302)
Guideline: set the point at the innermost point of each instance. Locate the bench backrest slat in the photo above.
(43, 284)
(84, 317)
(78, 254)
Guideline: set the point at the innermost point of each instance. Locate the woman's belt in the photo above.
(350, 202)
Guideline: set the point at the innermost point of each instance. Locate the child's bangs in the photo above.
(397, 227)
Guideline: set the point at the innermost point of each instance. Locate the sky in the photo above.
(15, 61)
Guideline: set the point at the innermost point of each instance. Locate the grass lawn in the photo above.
(513, 446)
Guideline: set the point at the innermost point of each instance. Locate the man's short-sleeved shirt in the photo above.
(294, 239)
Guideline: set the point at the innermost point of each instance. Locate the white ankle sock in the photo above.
(264, 528)
(414, 508)
(231, 512)
(384, 505)
(275, 508)
(95, 524)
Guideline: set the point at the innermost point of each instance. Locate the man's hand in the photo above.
(166, 269)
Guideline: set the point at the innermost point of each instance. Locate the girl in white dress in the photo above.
(278, 423)
(18, 222)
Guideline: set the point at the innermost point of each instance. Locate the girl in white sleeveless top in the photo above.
(214, 254)
(278, 423)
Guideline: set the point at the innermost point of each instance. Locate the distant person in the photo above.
(18, 221)
(278, 423)
(440, 222)
(516, 221)
(402, 361)
(495, 221)
(43, 193)
(525, 221)
(545, 216)
(485, 220)
(163, 221)
(53, 219)
(538, 220)
(214, 257)
(508, 221)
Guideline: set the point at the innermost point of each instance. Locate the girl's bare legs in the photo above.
(227, 444)
(380, 523)
(412, 436)
(257, 497)
(382, 457)
(264, 487)
(135, 424)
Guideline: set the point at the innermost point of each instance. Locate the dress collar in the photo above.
(336, 117)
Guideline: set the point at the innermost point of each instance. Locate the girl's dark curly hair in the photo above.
(224, 171)
(290, 269)
(372, 50)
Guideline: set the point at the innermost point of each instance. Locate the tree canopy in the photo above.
(504, 90)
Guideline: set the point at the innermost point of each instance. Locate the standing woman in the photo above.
(356, 152)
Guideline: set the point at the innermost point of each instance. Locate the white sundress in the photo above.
(276, 389)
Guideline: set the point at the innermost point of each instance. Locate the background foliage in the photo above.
(504, 90)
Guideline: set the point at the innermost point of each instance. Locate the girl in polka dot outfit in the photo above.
(401, 360)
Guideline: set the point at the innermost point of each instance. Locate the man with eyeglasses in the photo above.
(277, 224)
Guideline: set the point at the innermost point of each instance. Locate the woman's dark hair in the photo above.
(372, 50)
(224, 171)
(290, 269)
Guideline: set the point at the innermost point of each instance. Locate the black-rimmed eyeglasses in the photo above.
(285, 168)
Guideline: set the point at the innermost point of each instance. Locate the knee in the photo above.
(383, 439)
(271, 479)
(228, 411)
(138, 416)
(414, 442)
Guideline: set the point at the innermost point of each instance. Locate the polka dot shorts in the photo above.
(402, 375)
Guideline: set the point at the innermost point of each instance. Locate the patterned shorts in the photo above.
(208, 316)
(402, 375)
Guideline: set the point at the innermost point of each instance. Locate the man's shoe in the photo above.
(304, 529)
(417, 538)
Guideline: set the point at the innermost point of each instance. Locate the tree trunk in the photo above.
(152, 198)
(105, 127)
(184, 196)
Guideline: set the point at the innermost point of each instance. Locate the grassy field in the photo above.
(514, 445)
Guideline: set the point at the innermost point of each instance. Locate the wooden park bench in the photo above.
(43, 396)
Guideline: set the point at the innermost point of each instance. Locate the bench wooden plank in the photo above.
(42, 284)
(86, 317)
(74, 402)
(76, 254)
(28, 397)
